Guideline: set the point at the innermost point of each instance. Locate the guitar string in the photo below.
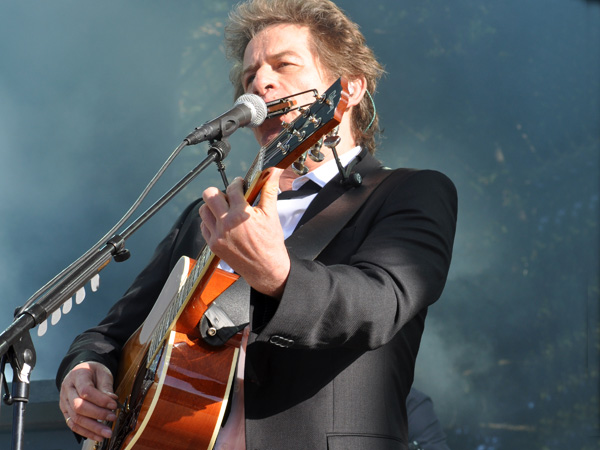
(265, 155)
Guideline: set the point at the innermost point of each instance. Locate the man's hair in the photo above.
(336, 41)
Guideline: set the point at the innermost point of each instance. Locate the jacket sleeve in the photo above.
(104, 342)
(386, 266)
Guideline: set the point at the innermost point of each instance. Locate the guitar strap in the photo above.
(229, 313)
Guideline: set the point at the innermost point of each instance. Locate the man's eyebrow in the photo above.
(247, 70)
(276, 56)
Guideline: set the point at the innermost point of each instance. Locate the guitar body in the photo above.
(176, 399)
(173, 388)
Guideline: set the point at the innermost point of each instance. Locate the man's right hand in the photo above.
(87, 400)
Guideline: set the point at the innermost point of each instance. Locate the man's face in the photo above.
(278, 62)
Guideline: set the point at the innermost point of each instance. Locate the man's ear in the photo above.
(357, 88)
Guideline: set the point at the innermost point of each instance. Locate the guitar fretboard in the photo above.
(175, 308)
(198, 272)
(297, 137)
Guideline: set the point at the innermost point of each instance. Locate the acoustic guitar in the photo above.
(173, 387)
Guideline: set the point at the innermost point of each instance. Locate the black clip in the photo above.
(216, 327)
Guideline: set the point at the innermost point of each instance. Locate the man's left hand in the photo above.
(249, 239)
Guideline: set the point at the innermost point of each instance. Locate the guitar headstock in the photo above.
(314, 122)
(318, 119)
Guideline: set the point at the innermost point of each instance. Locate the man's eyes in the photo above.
(247, 81)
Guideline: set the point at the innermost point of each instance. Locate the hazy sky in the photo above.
(89, 108)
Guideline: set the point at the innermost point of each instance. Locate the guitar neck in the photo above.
(295, 139)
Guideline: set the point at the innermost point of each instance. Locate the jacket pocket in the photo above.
(363, 442)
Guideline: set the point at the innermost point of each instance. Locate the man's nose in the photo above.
(264, 80)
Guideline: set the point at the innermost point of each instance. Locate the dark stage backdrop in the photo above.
(503, 96)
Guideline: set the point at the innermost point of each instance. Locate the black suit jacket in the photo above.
(330, 365)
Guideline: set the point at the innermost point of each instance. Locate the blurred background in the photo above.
(503, 97)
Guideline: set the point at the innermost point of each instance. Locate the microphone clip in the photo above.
(349, 179)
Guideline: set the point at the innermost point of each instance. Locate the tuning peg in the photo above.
(315, 152)
(315, 121)
(299, 134)
(299, 168)
(331, 141)
(298, 165)
(283, 148)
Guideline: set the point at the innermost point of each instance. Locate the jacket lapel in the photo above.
(334, 189)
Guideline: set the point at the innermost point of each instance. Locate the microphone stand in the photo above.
(16, 345)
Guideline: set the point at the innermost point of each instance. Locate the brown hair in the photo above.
(336, 41)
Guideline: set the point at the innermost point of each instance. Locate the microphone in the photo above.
(248, 110)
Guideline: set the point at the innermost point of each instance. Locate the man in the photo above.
(333, 341)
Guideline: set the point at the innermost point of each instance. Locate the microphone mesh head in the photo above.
(258, 107)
